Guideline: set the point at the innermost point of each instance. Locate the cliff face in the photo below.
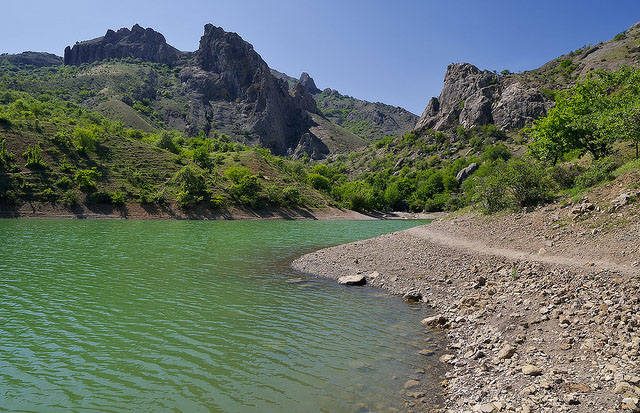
(472, 97)
(233, 87)
(145, 44)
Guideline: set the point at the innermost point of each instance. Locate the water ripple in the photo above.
(193, 316)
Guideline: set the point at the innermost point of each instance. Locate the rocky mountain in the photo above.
(473, 97)
(371, 121)
(145, 44)
(224, 86)
(31, 59)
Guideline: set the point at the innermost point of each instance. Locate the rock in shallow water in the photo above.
(352, 280)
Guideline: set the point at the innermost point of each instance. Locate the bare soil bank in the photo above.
(138, 211)
(541, 309)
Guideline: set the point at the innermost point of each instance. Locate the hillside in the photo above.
(371, 121)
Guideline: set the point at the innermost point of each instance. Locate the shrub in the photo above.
(6, 158)
(86, 179)
(99, 197)
(527, 183)
(64, 183)
(495, 152)
(118, 198)
(166, 141)
(202, 158)
(357, 195)
(246, 190)
(319, 182)
(292, 196)
(236, 173)
(33, 155)
(191, 187)
(439, 202)
(564, 176)
(69, 198)
(490, 194)
(600, 171)
(85, 139)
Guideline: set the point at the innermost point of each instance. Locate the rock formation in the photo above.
(307, 82)
(473, 97)
(145, 44)
(233, 87)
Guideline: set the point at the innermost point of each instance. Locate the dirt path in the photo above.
(428, 233)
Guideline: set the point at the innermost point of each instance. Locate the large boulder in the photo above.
(466, 172)
(145, 44)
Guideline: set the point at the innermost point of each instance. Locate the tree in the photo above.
(578, 121)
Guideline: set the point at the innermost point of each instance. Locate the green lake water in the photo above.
(195, 316)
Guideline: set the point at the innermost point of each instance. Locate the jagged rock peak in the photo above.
(473, 97)
(307, 82)
(145, 44)
(219, 50)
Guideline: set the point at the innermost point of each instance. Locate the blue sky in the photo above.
(380, 50)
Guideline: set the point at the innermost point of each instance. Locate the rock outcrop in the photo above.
(473, 97)
(307, 82)
(234, 88)
(145, 44)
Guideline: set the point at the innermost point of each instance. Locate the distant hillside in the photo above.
(371, 121)
(26, 60)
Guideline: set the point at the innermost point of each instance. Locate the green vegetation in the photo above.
(53, 149)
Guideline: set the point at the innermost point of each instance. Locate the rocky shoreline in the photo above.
(530, 328)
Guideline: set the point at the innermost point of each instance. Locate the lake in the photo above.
(196, 316)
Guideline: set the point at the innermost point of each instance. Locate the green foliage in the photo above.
(620, 36)
(496, 152)
(236, 173)
(292, 196)
(70, 198)
(86, 179)
(167, 141)
(319, 182)
(6, 158)
(85, 139)
(357, 195)
(246, 190)
(33, 155)
(64, 183)
(580, 120)
(600, 171)
(191, 185)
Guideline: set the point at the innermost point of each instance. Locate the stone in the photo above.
(480, 282)
(531, 370)
(622, 387)
(410, 384)
(506, 352)
(484, 408)
(435, 320)
(466, 172)
(412, 296)
(352, 280)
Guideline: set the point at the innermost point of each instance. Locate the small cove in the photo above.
(196, 316)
